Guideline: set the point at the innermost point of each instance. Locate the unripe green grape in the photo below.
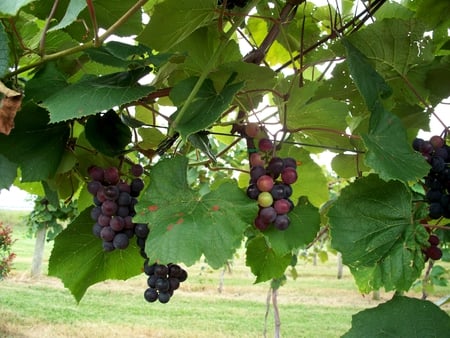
(265, 199)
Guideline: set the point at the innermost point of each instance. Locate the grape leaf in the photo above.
(263, 261)
(36, 146)
(45, 83)
(389, 153)
(425, 320)
(348, 165)
(73, 9)
(9, 172)
(185, 17)
(79, 261)
(205, 109)
(107, 133)
(371, 225)
(90, 96)
(305, 223)
(10, 8)
(184, 225)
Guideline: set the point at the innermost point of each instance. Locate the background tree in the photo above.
(208, 90)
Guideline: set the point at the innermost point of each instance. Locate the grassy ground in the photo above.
(317, 304)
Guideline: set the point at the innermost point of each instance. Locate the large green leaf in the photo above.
(36, 146)
(47, 80)
(389, 152)
(371, 224)
(205, 109)
(8, 172)
(348, 165)
(185, 225)
(10, 8)
(92, 95)
(305, 223)
(264, 262)
(386, 320)
(107, 133)
(173, 21)
(4, 51)
(79, 261)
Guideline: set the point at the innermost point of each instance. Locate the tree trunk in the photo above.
(340, 267)
(36, 265)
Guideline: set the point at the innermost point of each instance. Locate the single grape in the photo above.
(108, 246)
(109, 208)
(282, 222)
(437, 141)
(93, 187)
(417, 143)
(136, 187)
(287, 190)
(260, 224)
(150, 295)
(265, 145)
(433, 195)
(128, 220)
(124, 198)
(433, 240)
(141, 230)
(183, 275)
(290, 162)
(101, 195)
(441, 152)
(251, 129)
(277, 191)
(117, 223)
(435, 210)
(104, 220)
(289, 175)
(265, 183)
(275, 166)
(111, 192)
(140, 242)
(124, 187)
(175, 270)
(107, 234)
(137, 170)
(162, 284)
(426, 148)
(437, 164)
(282, 206)
(256, 160)
(265, 199)
(96, 229)
(123, 211)
(96, 173)
(95, 213)
(151, 281)
(256, 172)
(161, 270)
(149, 269)
(267, 214)
(111, 175)
(174, 283)
(253, 191)
(121, 241)
(164, 297)
(433, 252)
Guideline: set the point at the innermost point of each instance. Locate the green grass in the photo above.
(317, 304)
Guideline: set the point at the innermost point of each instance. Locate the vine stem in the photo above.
(50, 57)
(47, 25)
(208, 67)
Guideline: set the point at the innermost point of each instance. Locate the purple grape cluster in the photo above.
(433, 251)
(162, 281)
(270, 185)
(114, 201)
(437, 182)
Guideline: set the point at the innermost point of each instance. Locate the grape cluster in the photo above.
(231, 3)
(162, 281)
(270, 184)
(433, 251)
(114, 201)
(437, 182)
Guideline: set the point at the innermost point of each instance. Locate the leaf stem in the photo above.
(47, 24)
